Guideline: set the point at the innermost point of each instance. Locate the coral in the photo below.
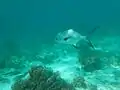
(79, 82)
(42, 78)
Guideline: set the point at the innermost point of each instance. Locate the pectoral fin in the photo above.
(74, 45)
(91, 44)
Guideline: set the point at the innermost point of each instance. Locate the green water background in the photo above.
(30, 23)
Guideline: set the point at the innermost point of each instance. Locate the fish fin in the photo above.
(91, 44)
(89, 35)
(74, 45)
(92, 31)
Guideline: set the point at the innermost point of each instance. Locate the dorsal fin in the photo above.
(91, 32)
(89, 36)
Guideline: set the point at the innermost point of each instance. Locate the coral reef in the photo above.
(42, 78)
(81, 84)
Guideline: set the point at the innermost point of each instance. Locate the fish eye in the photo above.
(66, 38)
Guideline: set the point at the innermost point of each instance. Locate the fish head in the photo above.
(68, 37)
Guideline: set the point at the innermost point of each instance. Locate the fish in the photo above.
(75, 39)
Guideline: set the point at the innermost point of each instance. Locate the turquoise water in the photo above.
(28, 29)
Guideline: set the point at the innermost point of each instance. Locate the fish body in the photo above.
(73, 38)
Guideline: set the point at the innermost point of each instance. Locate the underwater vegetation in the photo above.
(41, 78)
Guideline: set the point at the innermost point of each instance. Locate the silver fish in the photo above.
(75, 39)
